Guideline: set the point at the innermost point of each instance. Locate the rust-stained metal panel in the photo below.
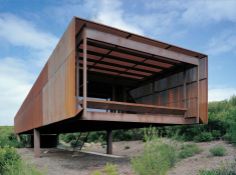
(59, 93)
(203, 106)
(52, 97)
(29, 115)
(122, 58)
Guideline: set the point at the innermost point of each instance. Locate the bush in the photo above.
(69, 137)
(156, 159)
(188, 150)
(218, 151)
(8, 138)
(232, 133)
(11, 164)
(216, 134)
(203, 137)
(109, 169)
(100, 136)
(228, 169)
(7, 157)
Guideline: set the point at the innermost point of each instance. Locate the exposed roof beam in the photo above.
(123, 59)
(122, 42)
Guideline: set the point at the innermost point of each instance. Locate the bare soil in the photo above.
(60, 162)
(192, 165)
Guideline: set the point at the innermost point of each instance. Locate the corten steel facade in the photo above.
(134, 81)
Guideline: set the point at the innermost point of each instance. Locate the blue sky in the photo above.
(29, 30)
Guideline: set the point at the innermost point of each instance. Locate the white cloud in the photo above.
(196, 11)
(20, 32)
(111, 13)
(199, 11)
(218, 94)
(18, 73)
(223, 43)
(16, 81)
(104, 11)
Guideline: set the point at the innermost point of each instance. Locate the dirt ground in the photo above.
(204, 160)
(58, 161)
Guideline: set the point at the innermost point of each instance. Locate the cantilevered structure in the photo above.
(102, 78)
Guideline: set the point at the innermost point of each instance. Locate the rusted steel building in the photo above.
(102, 78)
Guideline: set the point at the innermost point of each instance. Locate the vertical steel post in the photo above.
(77, 80)
(185, 90)
(85, 71)
(124, 95)
(36, 143)
(109, 141)
(113, 98)
(198, 96)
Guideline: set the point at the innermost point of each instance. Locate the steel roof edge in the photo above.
(197, 54)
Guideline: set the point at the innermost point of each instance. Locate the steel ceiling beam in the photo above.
(122, 42)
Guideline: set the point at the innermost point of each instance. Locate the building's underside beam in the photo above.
(141, 118)
(122, 42)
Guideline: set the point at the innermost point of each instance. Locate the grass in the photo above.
(10, 161)
(188, 150)
(228, 169)
(109, 169)
(218, 151)
(12, 164)
(203, 137)
(158, 157)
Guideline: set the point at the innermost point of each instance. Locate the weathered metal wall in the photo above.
(59, 92)
(169, 92)
(52, 98)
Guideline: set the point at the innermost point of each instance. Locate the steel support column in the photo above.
(109, 141)
(198, 95)
(36, 143)
(85, 71)
(185, 90)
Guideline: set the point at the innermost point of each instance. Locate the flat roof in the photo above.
(131, 58)
(105, 28)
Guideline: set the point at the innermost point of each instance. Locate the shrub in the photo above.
(156, 159)
(228, 169)
(69, 137)
(11, 164)
(7, 157)
(109, 169)
(8, 138)
(232, 133)
(75, 143)
(203, 137)
(218, 151)
(216, 134)
(96, 173)
(188, 150)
